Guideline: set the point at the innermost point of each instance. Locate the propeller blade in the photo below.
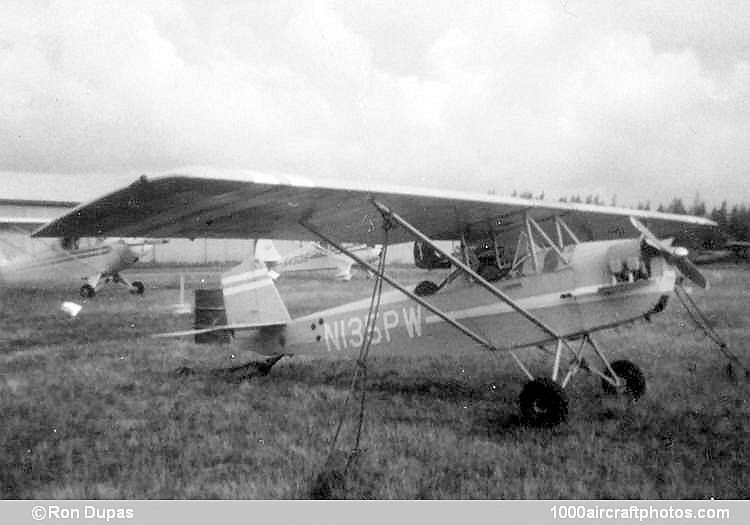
(674, 255)
(690, 271)
(650, 237)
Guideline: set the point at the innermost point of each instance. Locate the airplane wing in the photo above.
(28, 224)
(737, 244)
(256, 205)
(27, 215)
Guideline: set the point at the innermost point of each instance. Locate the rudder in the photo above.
(250, 297)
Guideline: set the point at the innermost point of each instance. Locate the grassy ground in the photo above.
(91, 408)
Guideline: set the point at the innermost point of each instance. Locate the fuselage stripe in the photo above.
(249, 276)
(232, 290)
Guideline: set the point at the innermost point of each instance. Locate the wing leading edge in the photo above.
(256, 205)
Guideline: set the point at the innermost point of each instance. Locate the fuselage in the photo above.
(66, 266)
(603, 284)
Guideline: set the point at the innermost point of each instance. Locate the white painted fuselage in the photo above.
(67, 267)
(575, 298)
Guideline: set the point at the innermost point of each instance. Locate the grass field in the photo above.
(91, 408)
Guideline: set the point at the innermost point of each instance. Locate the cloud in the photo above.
(513, 95)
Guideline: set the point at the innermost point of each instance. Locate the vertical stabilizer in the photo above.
(265, 251)
(250, 296)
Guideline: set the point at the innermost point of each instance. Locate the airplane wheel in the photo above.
(87, 291)
(543, 403)
(137, 288)
(489, 273)
(635, 382)
(426, 288)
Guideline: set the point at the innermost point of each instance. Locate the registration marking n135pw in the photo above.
(348, 333)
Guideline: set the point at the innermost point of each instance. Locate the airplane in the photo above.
(67, 261)
(563, 271)
(315, 256)
(740, 249)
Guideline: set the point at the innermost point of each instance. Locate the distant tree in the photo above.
(738, 224)
(720, 215)
(698, 207)
(677, 206)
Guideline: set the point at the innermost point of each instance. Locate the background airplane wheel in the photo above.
(137, 288)
(489, 273)
(635, 382)
(426, 288)
(543, 403)
(87, 291)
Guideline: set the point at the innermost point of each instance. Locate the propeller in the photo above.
(675, 255)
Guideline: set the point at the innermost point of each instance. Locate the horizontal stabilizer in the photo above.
(219, 328)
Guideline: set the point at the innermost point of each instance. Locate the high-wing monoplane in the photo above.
(530, 275)
(86, 262)
(316, 257)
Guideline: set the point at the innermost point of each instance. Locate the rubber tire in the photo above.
(138, 288)
(489, 273)
(87, 291)
(426, 288)
(543, 403)
(635, 382)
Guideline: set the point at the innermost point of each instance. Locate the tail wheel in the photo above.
(543, 403)
(635, 382)
(87, 291)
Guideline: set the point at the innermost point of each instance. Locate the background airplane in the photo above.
(314, 256)
(87, 263)
(552, 291)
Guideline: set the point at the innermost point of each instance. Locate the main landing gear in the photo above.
(89, 289)
(543, 401)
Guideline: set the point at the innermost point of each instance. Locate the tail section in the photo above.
(265, 251)
(250, 297)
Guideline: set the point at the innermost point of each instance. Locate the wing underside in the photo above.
(251, 205)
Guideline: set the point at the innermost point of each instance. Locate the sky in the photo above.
(634, 101)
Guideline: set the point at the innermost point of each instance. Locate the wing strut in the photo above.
(445, 317)
(389, 215)
(478, 278)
